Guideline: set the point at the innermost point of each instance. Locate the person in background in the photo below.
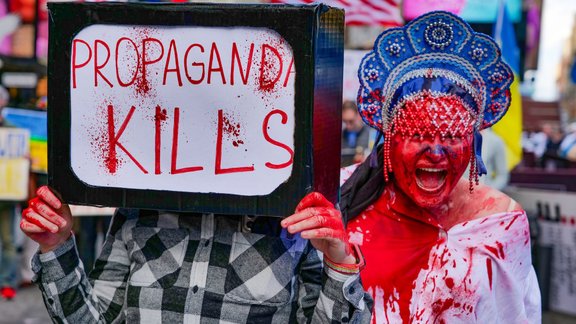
(355, 135)
(439, 248)
(29, 247)
(547, 142)
(8, 265)
(567, 149)
(494, 157)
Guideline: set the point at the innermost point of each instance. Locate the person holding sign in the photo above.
(439, 248)
(171, 268)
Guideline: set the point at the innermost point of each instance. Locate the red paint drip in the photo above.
(229, 128)
(143, 85)
(159, 117)
(449, 282)
(100, 139)
(276, 67)
(470, 264)
(111, 161)
(443, 259)
(407, 243)
(270, 68)
(440, 306)
(233, 130)
(495, 251)
(501, 249)
(489, 271)
(511, 222)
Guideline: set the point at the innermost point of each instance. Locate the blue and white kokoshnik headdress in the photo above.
(436, 53)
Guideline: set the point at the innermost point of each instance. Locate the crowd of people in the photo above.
(552, 147)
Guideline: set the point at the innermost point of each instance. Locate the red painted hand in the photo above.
(46, 220)
(316, 219)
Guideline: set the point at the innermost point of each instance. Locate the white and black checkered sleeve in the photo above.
(70, 296)
(327, 296)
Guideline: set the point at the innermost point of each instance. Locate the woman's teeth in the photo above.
(430, 179)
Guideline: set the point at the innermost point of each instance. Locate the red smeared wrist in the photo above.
(348, 268)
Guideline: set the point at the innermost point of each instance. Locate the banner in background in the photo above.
(510, 127)
(14, 163)
(473, 11)
(556, 213)
(362, 12)
(351, 84)
(35, 122)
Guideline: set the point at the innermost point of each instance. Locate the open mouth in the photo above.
(430, 179)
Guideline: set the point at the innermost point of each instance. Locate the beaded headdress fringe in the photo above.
(437, 52)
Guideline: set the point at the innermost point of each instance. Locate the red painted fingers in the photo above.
(31, 228)
(33, 217)
(41, 213)
(316, 222)
(49, 197)
(313, 199)
(47, 220)
(43, 209)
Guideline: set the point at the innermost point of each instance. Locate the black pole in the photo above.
(36, 11)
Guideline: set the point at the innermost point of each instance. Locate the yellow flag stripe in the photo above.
(510, 127)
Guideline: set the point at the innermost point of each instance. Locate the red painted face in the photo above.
(430, 148)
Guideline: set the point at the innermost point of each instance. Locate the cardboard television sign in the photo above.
(194, 107)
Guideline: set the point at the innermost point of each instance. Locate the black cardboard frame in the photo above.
(315, 33)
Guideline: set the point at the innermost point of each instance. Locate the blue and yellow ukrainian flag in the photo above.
(510, 127)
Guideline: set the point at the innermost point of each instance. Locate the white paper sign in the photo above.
(190, 109)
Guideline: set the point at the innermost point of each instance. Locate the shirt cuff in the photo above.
(335, 274)
(354, 292)
(349, 285)
(56, 264)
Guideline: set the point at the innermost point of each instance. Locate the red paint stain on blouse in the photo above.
(417, 272)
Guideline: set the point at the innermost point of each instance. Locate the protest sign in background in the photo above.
(556, 214)
(208, 108)
(34, 121)
(14, 163)
(352, 59)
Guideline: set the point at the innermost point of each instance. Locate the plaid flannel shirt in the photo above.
(173, 268)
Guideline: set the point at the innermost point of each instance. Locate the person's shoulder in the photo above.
(493, 200)
(484, 201)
